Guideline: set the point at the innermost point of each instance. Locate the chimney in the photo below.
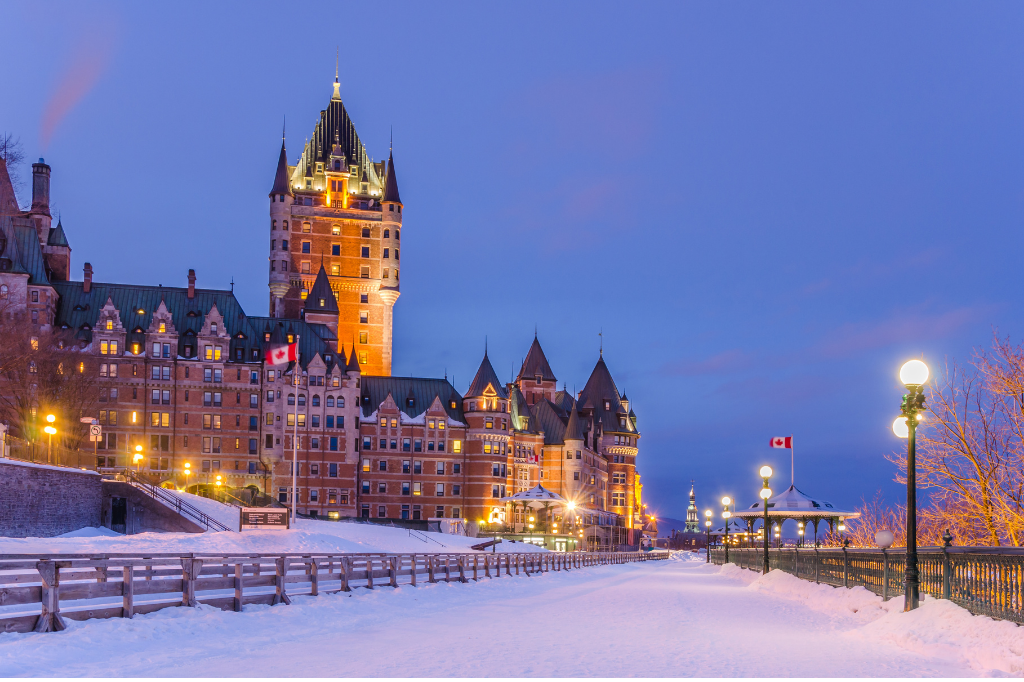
(41, 188)
(191, 284)
(87, 285)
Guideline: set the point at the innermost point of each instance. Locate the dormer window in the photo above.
(163, 328)
(213, 328)
(319, 167)
(110, 325)
(607, 405)
(291, 338)
(323, 303)
(538, 378)
(266, 337)
(337, 165)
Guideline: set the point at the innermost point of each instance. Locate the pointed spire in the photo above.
(337, 83)
(536, 363)
(57, 236)
(391, 183)
(281, 178)
(485, 377)
(574, 429)
(321, 297)
(353, 361)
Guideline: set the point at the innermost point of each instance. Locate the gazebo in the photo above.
(537, 508)
(798, 506)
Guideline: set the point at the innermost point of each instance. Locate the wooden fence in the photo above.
(38, 594)
(984, 580)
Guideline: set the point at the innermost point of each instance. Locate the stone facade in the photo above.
(44, 501)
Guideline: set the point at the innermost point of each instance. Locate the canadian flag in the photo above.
(782, 442)
(283, 354)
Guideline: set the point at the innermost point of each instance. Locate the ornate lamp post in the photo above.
(726, 501)
(188, 471)
(50, 430)
(137, 458)
(707, 524)
(913, 374)
(766, 492)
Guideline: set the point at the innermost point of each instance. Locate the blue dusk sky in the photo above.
(765, 208)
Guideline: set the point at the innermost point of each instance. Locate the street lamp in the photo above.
(50, 431)
(726, 501)
(800, 532)
(707, 525)
(766, 492)
(188, 470)
(137, 458)
(913, 374)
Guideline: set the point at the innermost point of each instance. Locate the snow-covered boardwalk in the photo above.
(665, 618)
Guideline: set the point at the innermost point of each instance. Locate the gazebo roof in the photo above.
(792, 503)
(734, 528)
(538, 493)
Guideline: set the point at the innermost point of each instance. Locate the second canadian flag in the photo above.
(782, 442)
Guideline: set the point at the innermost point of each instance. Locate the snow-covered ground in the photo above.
(306, 536)
(664, 618)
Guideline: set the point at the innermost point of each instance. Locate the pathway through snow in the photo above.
(669, 618)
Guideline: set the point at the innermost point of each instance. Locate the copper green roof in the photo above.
(57, 236)
(375, 389)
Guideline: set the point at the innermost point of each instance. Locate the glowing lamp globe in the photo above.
(914, 373)
(726, 500)
(766, 471)
(766, 493)
(708, 513)
(884, 539)
(900, 428)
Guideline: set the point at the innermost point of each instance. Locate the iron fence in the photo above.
(984, 580)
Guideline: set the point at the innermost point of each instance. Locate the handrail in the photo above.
(179, 505)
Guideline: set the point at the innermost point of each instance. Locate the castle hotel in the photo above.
(181, 372)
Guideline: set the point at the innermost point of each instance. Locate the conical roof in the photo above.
(391, 183)
(486, 376)
(321, 297)
(353, 362)
(8, 200)
(574, 429)
(281, 184)
(600, 388)
(57, 236)
(536, 363)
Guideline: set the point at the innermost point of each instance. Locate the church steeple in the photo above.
(692, 520)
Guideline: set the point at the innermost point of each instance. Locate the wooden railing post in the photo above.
(393, 570)
(281, 565)
(412, 567)
(447, 568)
(238, 585)
(462, 568)
(369, 572)
(508, 565)
(189, 572)
(50, 619)
(346, 574)
(314, 577)
(430, 569)
(475, 576)
(128, 592)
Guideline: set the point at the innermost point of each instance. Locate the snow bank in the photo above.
(34, 465)
(939, 629)
(308, 536)
(91, 533)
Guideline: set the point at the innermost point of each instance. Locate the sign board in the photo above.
(95, 432)
(264, 518)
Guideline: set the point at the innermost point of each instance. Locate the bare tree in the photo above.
(13, 155)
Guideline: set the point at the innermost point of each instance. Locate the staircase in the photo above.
(179, 506)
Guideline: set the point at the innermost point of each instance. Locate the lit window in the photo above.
(363, 338)
(456, 446)
(335, 229)
(362, 358)
(110, 325)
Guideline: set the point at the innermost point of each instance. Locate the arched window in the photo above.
(316, 401)
(341, 401)
(302, 400)
(4, 291)
(291, 398)
(387, 234)
(330, 401)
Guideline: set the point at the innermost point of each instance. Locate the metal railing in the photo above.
(180, 506)
(40, 591)
(984, 580)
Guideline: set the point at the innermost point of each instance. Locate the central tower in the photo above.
(337, 208)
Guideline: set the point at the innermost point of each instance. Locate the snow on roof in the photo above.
(793, 502)
(33, 465)
(538, 493)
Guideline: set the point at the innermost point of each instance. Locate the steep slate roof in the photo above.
(313, 338)
(57, 236)
(321, 291)
(536, 363)
(374, 390)
(517, 407)
(391, 183)
(335, 124)
(23, 250)
(353, 362)
(574, 429)
(281, 178)
(8, 200)
(600, 387)
(546, 418)
(485, 375)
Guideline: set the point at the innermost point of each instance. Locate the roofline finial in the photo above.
(391, 144)
(600, 334)
(337, 56)
(485, 345)
(284, 127)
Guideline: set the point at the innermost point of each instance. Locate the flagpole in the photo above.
(792, 461)
(295, 437)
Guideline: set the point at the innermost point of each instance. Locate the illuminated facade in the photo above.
(337, 208)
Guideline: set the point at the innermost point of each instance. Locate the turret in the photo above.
(320, 306)
(281, 199)
(40, 211)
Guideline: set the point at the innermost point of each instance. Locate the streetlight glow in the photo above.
(50, 430)
(766, 493)
(914, 373)
(766, 471)
(900, 428)
(50, 418)
(726, 500)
